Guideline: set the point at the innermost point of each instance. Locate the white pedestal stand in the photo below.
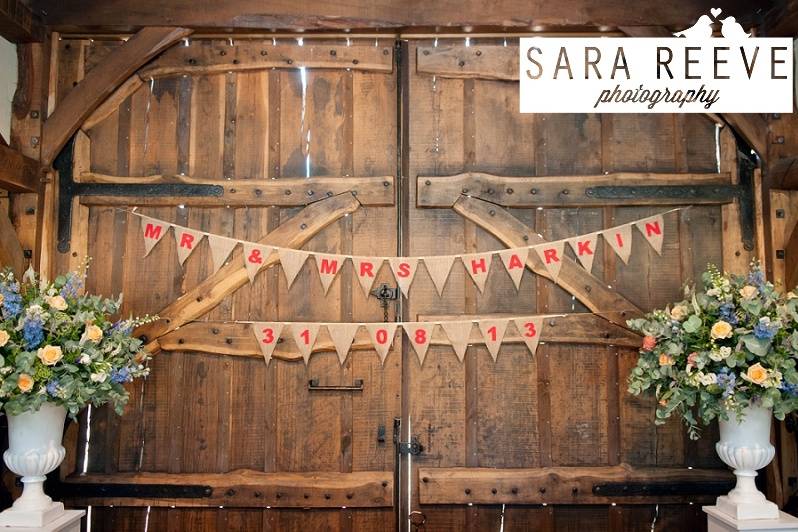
(719, 521)
(69, 521)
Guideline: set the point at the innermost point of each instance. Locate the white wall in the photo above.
(8, 84)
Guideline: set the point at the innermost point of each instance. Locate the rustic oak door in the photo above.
(215, 439)
(563, 415)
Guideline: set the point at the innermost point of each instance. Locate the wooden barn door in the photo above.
(492, 431)
(214, 439)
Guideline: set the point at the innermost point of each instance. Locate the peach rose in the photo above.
(4, 336)
(679, 312)
(691, 358)
(748, 292)
(665, 360)
(25, 382)
(50, 355)
(649, 342)
(757, 374)
(56, 302)
(721, 330)
(93, 333)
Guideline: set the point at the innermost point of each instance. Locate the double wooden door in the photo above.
(262, 451)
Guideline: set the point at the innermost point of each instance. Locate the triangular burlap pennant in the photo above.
(459, 333)
(328, 267)
(514, 261)
(382, 337)
(304, 335)
(255, 257)
(551, 254)
(404, 270)
(153, 231)
(420, 336)
(493, 334)
(584, 247)
(620, 240)
(530, 330)
(267, 334)
(342, 335)
(221, 247)
(292, 261)
(187, 241)
(438, 269)
(366, 269)
(653, 230)
(478, 266)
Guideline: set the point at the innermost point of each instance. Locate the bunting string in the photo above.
(382, 334)
(405, 269)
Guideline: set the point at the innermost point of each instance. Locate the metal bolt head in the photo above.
(34, 141)
(34, 114)
(303, 226)
(461, 63)
(779, 213)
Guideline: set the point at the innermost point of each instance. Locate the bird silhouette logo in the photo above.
(704, 27)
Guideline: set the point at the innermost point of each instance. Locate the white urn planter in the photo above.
(745, 447)
(34, 449)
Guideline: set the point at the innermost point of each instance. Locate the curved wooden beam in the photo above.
(587, 288)
(293, 233)
(102, 81)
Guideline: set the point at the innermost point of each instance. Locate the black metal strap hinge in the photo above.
(413, 447)
(69, 189)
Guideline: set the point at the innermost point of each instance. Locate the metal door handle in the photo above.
(314, 386)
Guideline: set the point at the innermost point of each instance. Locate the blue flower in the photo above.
(727, 381)
(12, 301)
(121, 375)
(727, 314)
(756, 277)
(765, 329)
(52, 388)
(789, 389)
(73, 285)
(122, 325)
(33, 332)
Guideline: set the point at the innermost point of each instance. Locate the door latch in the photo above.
(385, 293)
(413, 447)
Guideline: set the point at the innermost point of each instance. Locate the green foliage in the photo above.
(719, 350)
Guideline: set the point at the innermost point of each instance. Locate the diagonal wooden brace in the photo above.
(587, 288)
(209, 293)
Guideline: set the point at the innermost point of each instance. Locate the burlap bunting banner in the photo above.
(419, 334)
(404, 269)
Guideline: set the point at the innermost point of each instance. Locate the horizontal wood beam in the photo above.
(293, 233)
(284, 192)
(569, 485)
(556, 191)
(238, 489)
(587, 288)
(210, 56)
(489, 61)
(354, 14)
(237, 339)
(19, 24)
(102, 81)
(19, 173)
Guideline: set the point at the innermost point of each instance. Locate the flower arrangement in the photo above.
(733, 345)
(61, 347)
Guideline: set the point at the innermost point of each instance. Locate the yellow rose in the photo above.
(25, 382)
(757, 374)
(93, 333)
(720, 330)
(748, 292)
(679, 312)
(50, 354)
(2, 298)
(665, 360)
(3, 338)
(56, 302)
